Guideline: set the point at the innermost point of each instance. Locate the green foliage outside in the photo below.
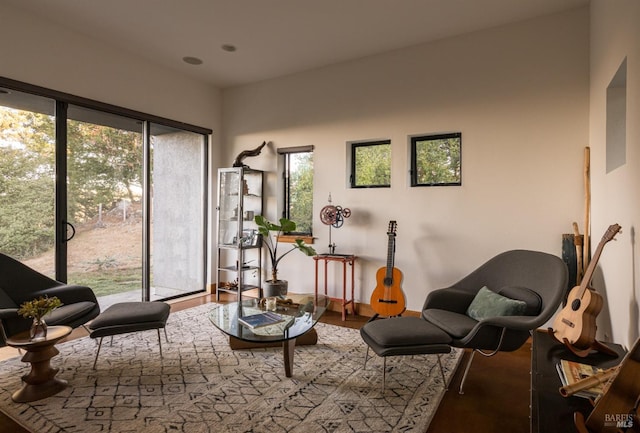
(373, 165)
(301, 191)
(109, 281)
(104, 167)
(438, 161)
(27, 183)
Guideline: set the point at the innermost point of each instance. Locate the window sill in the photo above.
(291, 239)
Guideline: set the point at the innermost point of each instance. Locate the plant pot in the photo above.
(275, 288)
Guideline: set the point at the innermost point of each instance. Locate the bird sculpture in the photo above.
(247, 153)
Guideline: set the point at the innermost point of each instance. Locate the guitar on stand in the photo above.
(575, 324)
(387, 298)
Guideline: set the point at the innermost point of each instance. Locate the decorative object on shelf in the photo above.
(250, 238)
(230, 285)
(333, 216)
(247, 153)
(36, 310)
(271, 233)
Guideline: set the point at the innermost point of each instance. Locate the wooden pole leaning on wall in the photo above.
(586, 251)
(578, 242)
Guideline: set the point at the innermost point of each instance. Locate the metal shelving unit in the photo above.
(239, 250)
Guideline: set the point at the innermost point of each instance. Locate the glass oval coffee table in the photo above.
(294, 317)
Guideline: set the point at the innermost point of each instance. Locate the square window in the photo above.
(436, 160)
(371, 164)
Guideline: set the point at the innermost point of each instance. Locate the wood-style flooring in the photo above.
(496, 393)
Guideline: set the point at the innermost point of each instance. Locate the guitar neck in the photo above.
(586, 278)
(390, 253)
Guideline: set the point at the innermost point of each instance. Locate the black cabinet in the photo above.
(550, 412)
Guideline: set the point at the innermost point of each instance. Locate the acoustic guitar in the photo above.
(387, 298)
(575, 324)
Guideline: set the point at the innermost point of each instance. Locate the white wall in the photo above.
(519, 94)
(44, 54)
(615, 34)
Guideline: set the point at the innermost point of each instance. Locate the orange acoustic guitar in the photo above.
(575, 324)
(387, 298)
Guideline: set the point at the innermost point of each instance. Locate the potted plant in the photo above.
(271, 233)
(36, 310)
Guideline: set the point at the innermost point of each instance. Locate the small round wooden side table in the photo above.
(41, 381)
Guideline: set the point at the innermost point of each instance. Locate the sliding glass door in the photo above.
(27, 179)
(178, 216)
(111, 201)
(104, 203)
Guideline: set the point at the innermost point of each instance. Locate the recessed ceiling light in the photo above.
(229, 48)
(192, 60)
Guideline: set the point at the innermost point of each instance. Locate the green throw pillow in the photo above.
(490, 304)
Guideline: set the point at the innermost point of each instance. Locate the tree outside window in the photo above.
(298, 188)
(371, 164)
(436, 160)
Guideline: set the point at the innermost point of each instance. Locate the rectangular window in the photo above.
(371, 164)
(298, 187)
(436, 160)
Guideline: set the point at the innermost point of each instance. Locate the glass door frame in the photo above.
(62, 235)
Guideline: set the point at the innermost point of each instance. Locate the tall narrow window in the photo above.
(371, 164)
(298, 187)
(436, 160)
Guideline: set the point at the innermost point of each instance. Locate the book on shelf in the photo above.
(261, 319)
(581, 380)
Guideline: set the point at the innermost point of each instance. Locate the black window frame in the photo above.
(414, 159)
(354, 147)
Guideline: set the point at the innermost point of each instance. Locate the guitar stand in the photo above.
(595, 345)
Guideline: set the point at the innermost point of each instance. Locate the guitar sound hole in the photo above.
(388, 281)
(575, 305)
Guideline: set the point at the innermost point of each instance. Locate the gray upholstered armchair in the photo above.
(19, 283)
(525, 289)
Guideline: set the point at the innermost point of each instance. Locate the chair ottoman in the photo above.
(128, 317)
(397, 336)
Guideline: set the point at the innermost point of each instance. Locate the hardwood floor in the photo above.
(496, 394)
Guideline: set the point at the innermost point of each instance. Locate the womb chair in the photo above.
(496, 307)
(19, 283)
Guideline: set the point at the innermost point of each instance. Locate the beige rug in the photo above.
(202, 386)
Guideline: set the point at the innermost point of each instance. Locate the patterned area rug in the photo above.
(201, 385)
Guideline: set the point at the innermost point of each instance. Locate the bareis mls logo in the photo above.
(619, 420)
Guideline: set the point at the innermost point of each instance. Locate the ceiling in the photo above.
(276, 37)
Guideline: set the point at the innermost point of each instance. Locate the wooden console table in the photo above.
(345, 259)
(550, 412)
